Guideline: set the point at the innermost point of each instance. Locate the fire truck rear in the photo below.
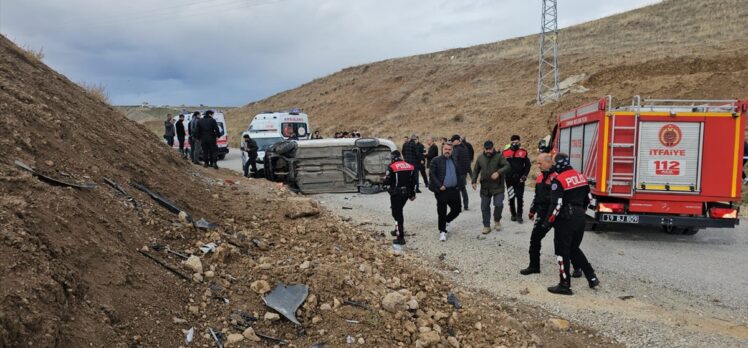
(670, 163)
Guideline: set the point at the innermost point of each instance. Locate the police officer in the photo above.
(208, 134)
(515, 179)
(400, 177)
(570, 194)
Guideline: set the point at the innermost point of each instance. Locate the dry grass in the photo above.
(96, 90)
(37, 54)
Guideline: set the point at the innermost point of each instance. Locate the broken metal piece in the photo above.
(204, 224)
(270, 338)
(121, 190)
(453, 300)
(208, 248)
(356, 304)
(51, 180)
(286, 299)
(162, 201)
(180, 255)
(216, 337)
(164, 265)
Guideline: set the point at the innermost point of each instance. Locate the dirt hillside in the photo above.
(74, 270)
(673, 49)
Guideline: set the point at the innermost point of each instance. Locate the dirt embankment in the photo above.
(73, 266)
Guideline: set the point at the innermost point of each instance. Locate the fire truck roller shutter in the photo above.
(669, 156)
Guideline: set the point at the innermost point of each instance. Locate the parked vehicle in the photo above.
(223, 141)
(669, 163)
(268, 128)
(330, 165)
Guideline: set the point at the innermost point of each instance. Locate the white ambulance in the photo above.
(270, 127)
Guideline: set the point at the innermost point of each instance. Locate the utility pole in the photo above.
(548, 57)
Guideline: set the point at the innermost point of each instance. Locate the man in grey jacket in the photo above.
(490, 168)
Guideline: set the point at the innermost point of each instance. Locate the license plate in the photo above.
(626, 219)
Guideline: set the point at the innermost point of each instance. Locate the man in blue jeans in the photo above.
(490, 168)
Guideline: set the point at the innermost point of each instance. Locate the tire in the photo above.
(670, 229)
(284, 147)
(221, 157)
(690, 231)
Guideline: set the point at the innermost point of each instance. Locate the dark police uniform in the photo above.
(515, 179)
(539, 211)
(570, 194)
(401, 178)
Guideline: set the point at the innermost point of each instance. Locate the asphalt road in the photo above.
(657, 289)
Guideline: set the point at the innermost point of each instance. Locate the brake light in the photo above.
(723, 213)
(610, 207)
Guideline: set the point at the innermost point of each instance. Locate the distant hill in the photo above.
(673, 49)
(153, 117)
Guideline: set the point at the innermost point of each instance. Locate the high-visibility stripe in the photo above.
(679, 114)
(603, 174)
(736, 158)
(660, 187)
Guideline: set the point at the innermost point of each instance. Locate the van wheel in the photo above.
(670, 229)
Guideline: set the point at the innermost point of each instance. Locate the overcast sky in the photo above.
(231, 52)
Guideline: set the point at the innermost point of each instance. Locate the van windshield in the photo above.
(264, 143)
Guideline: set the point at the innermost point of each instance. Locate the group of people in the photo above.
(560, 201)
(202, 133)
(347, 134)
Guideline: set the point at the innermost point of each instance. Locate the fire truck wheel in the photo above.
(670, 229)
(690, 231)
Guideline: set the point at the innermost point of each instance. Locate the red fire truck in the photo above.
(670, 163)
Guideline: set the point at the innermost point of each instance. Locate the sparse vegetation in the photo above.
(37, 54)
(97, 90)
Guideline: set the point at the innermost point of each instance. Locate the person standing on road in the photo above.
(469, 147)
(316, 135)
(463, 160)
(515, 179)
(432, 151)
(492, 166)
(570, 192)
(400, 177)
(410, 155)
(180, 135)
(208, 134)
(539, 211)
(169, 130)
(444, 180)
(249, 147)
(194, 141)
(421, 168)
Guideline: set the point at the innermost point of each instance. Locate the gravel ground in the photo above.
(657, 290)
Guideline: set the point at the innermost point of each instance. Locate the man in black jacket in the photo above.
(515, 179)
(433, 151)
(249, 147)
(421, 167)
(208, 134)
(410, 155)
(463, 160)
(180, 135)
(169, 130)
(445, 178)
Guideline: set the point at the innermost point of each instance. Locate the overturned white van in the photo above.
(330, 165)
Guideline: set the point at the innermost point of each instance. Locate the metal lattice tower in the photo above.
(548, 58)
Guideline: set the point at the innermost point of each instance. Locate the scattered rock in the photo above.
(305, 265)
(210, 274)
(302, 207)
(478, 326)
(249, 334)
(453, 342)
(260, 286)
(559, 324)
(393, 302)
(620, 252)
(234, 338)
(439, 315)
(270, 316)
(325, 307)
(178, 320)
(194, 263)
(412, 304)
(316, 319)
(427, 339)
(524, 291)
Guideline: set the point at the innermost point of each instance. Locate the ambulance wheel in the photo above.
(690, 231)
(670, 229)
